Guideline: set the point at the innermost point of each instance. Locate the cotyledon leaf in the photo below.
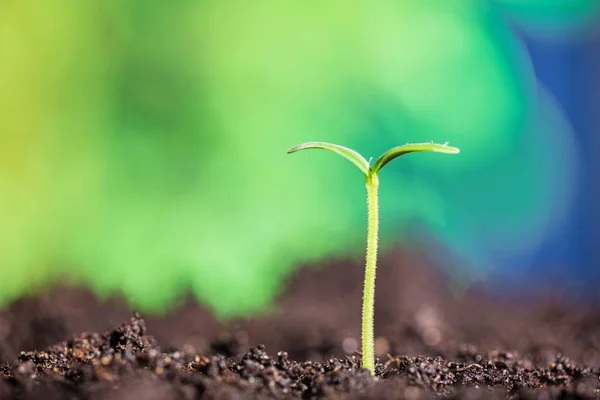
(345, 152)
(411, 148)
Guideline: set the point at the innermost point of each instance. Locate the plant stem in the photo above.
(368, 345)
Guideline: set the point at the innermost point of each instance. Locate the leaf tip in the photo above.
(294, 149)
(450, 149)
(453, 150)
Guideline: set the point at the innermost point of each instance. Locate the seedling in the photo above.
(372, 184)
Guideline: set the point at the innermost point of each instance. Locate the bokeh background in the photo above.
(143, 143)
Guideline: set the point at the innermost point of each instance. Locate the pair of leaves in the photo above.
(358, 160)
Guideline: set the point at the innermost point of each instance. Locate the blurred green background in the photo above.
(143, 143)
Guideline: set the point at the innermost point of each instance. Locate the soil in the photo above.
(432, 342)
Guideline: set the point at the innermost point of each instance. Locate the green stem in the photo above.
(368, 345)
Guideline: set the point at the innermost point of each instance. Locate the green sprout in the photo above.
(372, 184)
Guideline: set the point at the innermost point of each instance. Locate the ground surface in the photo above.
(431, 343)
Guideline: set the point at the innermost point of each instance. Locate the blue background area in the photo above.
(568, 68)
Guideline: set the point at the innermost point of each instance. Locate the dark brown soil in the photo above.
(431, 343)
